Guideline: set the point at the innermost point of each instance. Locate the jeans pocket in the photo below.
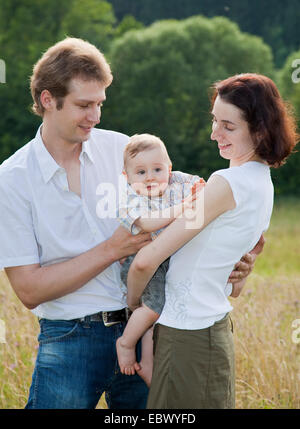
(56, 330)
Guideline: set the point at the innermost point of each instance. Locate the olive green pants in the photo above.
(193, 368)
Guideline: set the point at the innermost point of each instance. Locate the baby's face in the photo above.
(148, 172)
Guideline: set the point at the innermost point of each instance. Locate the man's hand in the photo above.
(122, 243)
(243, 268)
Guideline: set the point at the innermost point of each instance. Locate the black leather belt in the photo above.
(109, 318)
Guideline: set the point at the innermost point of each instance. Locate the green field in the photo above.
(282, 249)
(267, 355)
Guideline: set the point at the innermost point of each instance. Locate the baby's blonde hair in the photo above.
(142, 142)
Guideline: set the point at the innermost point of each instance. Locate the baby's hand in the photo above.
(190, 201)
(197, 187)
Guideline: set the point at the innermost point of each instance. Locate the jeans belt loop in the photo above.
(86, 322)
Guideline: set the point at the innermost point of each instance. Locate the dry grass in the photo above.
(17, 355)
(267, 359)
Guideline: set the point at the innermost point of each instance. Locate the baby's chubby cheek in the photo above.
(163, 186)
(138, 187)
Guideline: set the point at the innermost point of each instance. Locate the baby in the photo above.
(155, 197)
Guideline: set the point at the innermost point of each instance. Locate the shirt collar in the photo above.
(86, 148)
(47, 163)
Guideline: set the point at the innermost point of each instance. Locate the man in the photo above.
(60, 257)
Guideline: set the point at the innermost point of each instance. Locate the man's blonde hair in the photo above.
(140, 143)
(67, 59)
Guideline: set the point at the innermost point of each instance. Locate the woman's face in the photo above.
(232, 133)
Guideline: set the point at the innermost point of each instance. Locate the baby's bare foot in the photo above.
(126, 357)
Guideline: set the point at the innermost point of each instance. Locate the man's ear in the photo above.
(170, 168)
(47, 100)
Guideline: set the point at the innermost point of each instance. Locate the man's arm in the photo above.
(34, 284)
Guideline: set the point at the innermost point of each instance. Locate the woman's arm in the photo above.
(217, 198)
(160, 218)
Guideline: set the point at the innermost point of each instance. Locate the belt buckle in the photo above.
(105, 320)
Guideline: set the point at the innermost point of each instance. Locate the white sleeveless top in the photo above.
(196, 282)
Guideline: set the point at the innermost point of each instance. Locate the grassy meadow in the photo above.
(267, 358)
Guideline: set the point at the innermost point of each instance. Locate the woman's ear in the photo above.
(258, 136)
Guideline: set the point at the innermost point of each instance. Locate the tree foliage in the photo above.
(27, 29)
(277, 22)
(287, 178)
(92, 20)
(162, 73)
(162, 76)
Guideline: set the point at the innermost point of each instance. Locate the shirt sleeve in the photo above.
(179, 177)
(182, 184)
(238, 183)
(17, 237)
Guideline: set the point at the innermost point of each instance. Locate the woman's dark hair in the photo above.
(271, 122)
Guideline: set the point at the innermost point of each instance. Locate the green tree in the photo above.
(27, 29)
(162, 76)
(92, 20)
(287, 178)
(128, 23)
(277, 22)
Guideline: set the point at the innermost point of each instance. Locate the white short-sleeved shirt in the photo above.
(196, 282)
(43, 222)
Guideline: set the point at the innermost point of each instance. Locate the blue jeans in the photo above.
(76, 363)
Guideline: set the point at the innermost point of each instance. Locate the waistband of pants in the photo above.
(109, 318)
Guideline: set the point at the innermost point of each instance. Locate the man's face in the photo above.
(80, 112)
(148, 172)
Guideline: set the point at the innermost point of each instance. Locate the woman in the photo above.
(193, 344)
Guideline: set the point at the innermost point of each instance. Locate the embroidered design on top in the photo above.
(177, 297)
